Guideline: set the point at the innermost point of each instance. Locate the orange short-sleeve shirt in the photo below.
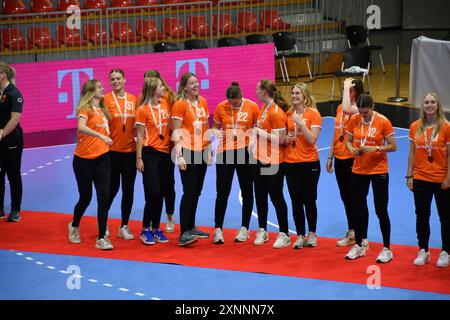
(381, 128)
(243, 119)
(271, 120)
(90, 147)
(436, 169)
(145, 117)
(340, 151)
(121, 124)
(302, 150)
(194, 123)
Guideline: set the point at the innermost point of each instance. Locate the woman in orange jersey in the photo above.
(169, 198)
(344, 159)
(267, 148)
(91, 162)
(302, 166)
(367, 133)
(122, 108)
(428, 175)
(232, 118)
(193, 152)
(153, 156)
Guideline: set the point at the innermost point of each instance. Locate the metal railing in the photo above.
(317, 24)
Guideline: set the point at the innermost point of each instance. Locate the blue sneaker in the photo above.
(147, 237)
(14, 216)
(159, 236)
(2, 214)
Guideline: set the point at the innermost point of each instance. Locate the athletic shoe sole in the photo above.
(182, 244)
(360, 256)
(260, 244)
(146, 242)
(218, 242)
(162, 241)
(379, 261)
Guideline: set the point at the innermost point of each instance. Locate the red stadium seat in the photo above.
(172, 1)
(146, 2)
(149, 31)
(272, 20)
(42, 6)
(14, 39)
(121, 31)
(96, 4)
(70, 37)
(225, 25)
(175, 29)
(248, 20)
(93, 34)
(64, 4)
(41, 37)
(14, 7)
(198, 26)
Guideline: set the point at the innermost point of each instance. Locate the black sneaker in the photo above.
(2, 214)
(14, 216)
(199, 234)
(186, 238)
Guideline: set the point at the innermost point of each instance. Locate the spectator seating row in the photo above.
(41, 37)
(18, 6)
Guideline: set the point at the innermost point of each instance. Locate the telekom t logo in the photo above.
(204, 84)
(63, 96)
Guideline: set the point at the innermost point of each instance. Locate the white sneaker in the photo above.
(74, 234)
(104, 244)
(443, 260)
(125, 233)
(385, 256)
(282, 241)
(218, 236)
(170, 226)
(312, 240)
(242, 235)
(347, 240)
(355, 252)
(300, 242)
(261, 237)
(422, 258)
(365, 244)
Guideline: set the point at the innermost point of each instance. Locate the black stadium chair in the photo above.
(229, 42)
(285, 42)
(166, 46)
(195, 44)
(359, 57)
(256, 38)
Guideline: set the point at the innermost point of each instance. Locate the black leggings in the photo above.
(123, 165)
(268, 180)
(360, 190)
(423, 195)
(192, 179)
(226, 163)
(343, 169)
(169, 198)
(10, 164)
(97, 171)
(155, 178)
(302, 180)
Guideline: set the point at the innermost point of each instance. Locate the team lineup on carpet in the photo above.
(263, 145)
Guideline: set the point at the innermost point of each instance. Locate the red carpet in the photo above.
(47, 232)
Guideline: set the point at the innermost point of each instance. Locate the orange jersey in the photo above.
(302, 150)
(151, 121)
(90, 147)
(381, 128)
(121, 124)
(241, 119)
(436, 169)
(194, 123)
(271, 120)
(340, 151)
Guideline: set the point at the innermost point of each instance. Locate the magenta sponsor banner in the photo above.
(51, 89)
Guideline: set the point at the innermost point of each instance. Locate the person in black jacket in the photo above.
(11, 140)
